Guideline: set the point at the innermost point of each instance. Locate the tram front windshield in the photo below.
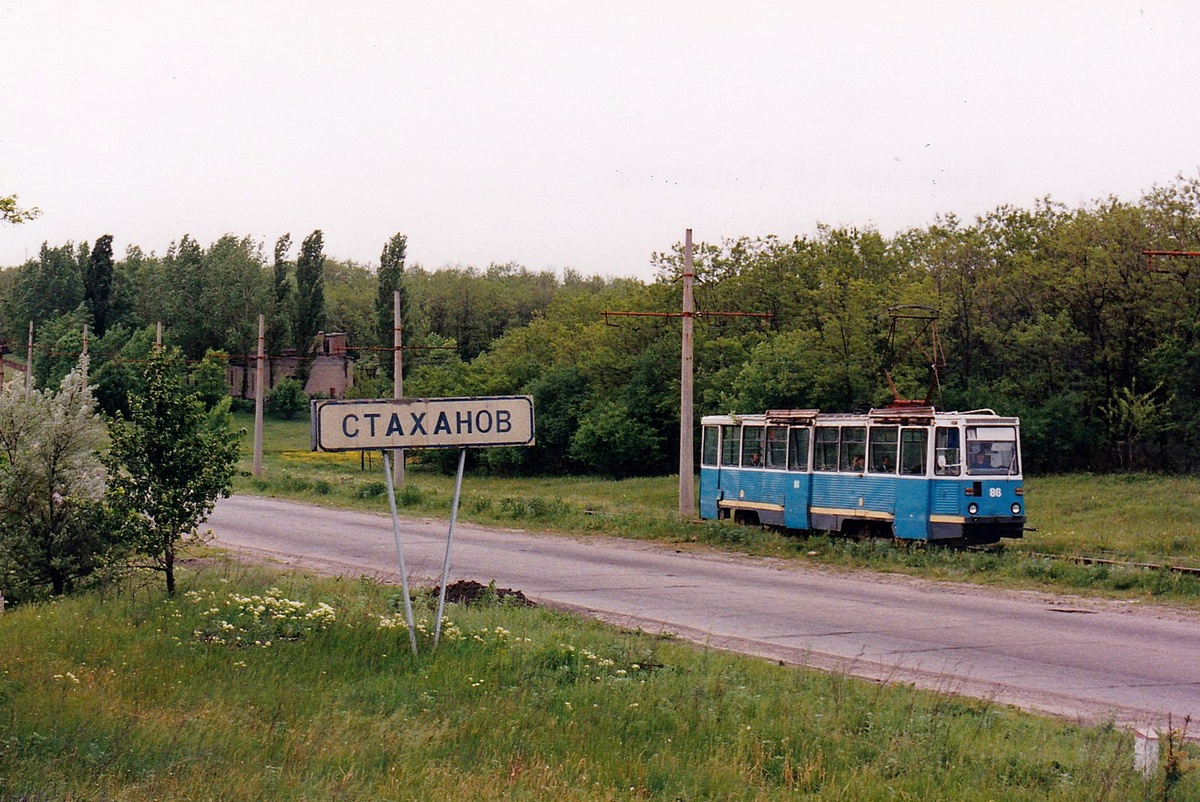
(992, 451)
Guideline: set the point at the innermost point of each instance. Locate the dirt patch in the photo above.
(471, 593)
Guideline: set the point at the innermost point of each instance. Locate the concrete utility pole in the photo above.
(258, 397)
(687, 479)
(397, 382)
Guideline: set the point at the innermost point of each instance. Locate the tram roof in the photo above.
(910, 416)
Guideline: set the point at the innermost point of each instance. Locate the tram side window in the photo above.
(776, 446)
(752, 446)
(731, 440)
(946, 452)
(883, 442)
(854, 448)
(798, 450)
(913, 443)
(825, 449)
(709, 445)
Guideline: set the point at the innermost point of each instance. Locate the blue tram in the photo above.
(907, 472)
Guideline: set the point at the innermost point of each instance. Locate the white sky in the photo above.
(577, 134)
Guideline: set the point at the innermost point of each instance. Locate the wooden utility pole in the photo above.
(258, 398)
(687, 478)
(29, 362)
(397, 382)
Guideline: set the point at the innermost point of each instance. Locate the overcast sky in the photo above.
(577, 134)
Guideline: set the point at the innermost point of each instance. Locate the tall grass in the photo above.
(128, 695)
(1138, 518)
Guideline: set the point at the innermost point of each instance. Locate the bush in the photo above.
(371, 490)
(287, 399)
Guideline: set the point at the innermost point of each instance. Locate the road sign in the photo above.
(362, 425)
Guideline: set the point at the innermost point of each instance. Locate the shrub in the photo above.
(287, 399)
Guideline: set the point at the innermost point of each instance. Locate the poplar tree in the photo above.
(280, 320)
(310, 297)
(97, 283)
(391, 279)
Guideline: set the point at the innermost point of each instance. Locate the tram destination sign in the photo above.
(363, 425)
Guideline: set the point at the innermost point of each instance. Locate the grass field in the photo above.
(1138, 518)
(253, 685)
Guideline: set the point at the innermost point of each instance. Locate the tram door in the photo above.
(710, 478)
(798, 492)
(914, 486)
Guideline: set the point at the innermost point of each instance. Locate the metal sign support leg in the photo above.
(437, 630)
(391, 491)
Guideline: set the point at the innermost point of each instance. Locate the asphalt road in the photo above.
(1089, 660)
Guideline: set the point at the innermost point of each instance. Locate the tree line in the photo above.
(1051, 313)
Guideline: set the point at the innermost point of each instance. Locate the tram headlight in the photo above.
(1016, 508)
(973, 508)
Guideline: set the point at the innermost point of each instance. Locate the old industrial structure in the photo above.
(331, 369)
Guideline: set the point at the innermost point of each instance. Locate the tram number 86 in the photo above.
(995, 492)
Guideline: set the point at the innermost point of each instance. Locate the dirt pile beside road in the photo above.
(471, 593)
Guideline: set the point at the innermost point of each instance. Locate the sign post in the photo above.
(391, 491)
(437, 628)
(387, 425)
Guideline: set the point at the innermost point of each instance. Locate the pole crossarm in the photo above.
(1150, 254)
(609, 313)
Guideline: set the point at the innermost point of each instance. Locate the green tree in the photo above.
(310, 297)
(287, 399)
(142, 292)
(209, 379)
(613, 443)
(781, 373)
(187, 317)
(51, 483)
(1133, 416)
(97, 283)
(46, 287)
(391, 280)
(168, 464)
(560, 395)
(121, 376)
(59, 345)
(475, 307)
(235, 289)
(350, 301)
(13, 214)
(279, 322)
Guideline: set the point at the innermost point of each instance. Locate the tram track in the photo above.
(1084, 560)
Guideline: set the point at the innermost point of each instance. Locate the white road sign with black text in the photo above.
(423, 423)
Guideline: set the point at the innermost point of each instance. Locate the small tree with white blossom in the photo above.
(52, 531)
